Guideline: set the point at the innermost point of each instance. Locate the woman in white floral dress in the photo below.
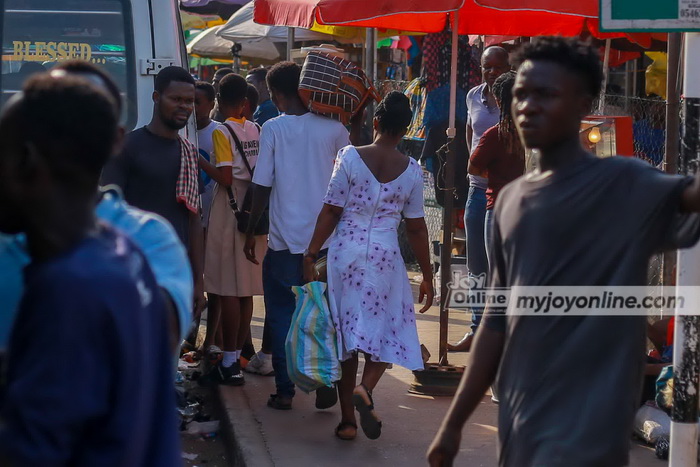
(370, 296)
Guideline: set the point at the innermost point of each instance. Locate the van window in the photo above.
(37, 34)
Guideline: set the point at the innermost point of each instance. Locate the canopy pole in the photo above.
(672, 145)
(446, 253)
(606, 72)
(290, 43)
(370, 68)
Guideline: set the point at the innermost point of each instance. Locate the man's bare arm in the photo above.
(261, 198)
(196, 253)
(478, 376)
(690, 200)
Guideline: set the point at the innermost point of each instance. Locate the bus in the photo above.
(131, 39)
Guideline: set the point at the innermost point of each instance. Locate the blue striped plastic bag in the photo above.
(312, 349)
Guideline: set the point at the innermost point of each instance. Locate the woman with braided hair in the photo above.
(500, 156)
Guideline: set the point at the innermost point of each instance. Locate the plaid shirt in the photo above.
(187, 189)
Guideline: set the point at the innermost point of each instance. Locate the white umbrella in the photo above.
(241, 29)
(208, 44)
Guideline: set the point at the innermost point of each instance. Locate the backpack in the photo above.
(334, 87)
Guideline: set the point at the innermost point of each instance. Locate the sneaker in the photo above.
(230, 376)
(266, 368)
(253, 365)
(260, 364)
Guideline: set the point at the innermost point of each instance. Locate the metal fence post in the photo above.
(684, 419)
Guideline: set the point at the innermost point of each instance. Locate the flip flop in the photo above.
(342, 426)
(370, 423)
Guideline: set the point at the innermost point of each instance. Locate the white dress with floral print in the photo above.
(369, 293)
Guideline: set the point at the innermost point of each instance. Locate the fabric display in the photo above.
(437, 61)
(416, 93)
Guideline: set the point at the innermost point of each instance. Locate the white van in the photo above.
(131, 39)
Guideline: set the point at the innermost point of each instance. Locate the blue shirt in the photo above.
(165, 253)
(157, 240)
(89, 379)
(13, 259)
(265, 111)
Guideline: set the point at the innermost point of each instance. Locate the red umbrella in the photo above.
(406, 15)
(585, 8)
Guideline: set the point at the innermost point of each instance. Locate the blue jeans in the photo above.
(474, 222)
(488, 235)
(281, 271)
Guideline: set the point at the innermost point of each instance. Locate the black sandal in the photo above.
(370, 423)
(342, 426)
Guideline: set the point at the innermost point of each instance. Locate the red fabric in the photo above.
(406, 15)
(502, 166)
(430, 16)
(619, 57)
(580, 7)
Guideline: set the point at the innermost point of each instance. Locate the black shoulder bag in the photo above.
(243, 214)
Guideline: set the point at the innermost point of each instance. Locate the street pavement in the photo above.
(304, 435)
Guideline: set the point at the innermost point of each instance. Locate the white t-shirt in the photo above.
(297, 154)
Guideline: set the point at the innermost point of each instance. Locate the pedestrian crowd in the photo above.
(114, 243)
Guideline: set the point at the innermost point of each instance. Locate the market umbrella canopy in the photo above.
(404, 15)
(585, 8)
(258, 40)
(208, 44)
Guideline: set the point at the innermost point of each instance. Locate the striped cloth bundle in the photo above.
(312, 348)
(334, 87)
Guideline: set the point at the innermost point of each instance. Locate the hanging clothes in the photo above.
(416, 93)
(437, 63)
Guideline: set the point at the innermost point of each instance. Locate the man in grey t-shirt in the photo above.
(568, 385)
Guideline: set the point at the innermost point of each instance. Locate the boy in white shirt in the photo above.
(297, 154)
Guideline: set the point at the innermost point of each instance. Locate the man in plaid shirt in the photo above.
(157, 169)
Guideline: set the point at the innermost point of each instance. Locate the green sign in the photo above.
(650, 15)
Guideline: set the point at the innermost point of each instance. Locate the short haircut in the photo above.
(497, 51)
(283, 78)
(260, 74)
(81, 67)
(207, 89)
(572, 54)
(71, 122)
(171, 74)
(253, 96)
(221, 72)
(232, 89)
(394, 114)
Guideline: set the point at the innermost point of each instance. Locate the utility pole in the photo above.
(686, 344)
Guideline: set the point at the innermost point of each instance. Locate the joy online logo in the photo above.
(468, 290)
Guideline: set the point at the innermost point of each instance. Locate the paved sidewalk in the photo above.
(305, 436)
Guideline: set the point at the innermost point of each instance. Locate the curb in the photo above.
(241, 431)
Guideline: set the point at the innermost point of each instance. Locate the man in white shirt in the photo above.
(295, 163)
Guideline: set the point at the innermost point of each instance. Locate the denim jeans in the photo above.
(477, 262)
(488, 235)
(281, 271)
